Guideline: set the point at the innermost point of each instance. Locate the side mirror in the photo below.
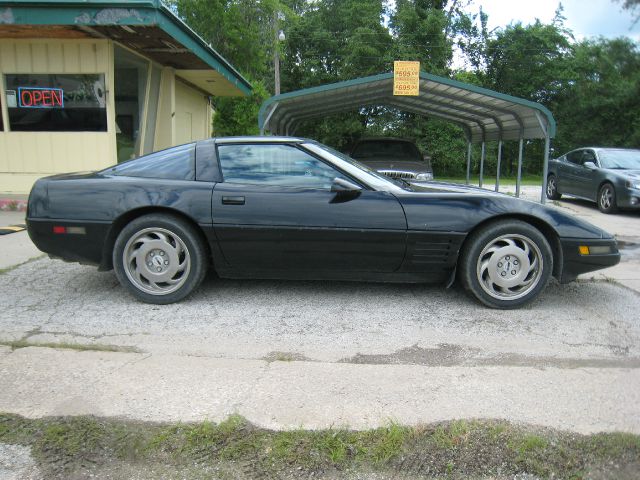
(590, 165)
(340, 185)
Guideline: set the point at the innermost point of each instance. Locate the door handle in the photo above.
(233, 200)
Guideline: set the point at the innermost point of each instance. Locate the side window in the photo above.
(176, 163)
(277, 165)
(575, 157)
(589, 156)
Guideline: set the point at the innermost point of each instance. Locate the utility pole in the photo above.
(279, 37)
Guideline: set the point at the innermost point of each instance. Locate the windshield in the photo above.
(357, 164)
(620, 159)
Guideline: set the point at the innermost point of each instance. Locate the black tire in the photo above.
(174, 257)
(510, 252)
(552, 188)
(607, 199)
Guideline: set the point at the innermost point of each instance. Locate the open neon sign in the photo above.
(34, 97)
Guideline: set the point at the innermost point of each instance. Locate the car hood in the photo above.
(444, 187)
(72, 176)
(634, 174)
(440, 206)
(400, 165)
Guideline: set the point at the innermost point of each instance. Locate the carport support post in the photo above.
(545, 169)
(468, 161)
(482, 155)
(519, 177)
(498, 168)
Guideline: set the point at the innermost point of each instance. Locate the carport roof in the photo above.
(483, 114)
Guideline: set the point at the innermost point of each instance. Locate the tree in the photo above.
(336, 40)
(529, 61)
(601, 106)
(241, 30)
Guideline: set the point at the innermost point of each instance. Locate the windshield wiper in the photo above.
(405, 183)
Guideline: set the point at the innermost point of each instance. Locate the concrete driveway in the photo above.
(321, 354)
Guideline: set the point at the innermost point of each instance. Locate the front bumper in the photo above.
(628, 198)
(574, 263)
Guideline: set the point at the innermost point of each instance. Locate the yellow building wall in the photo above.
(193, 114)
(27, 156)
(184, 113)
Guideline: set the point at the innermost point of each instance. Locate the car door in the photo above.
(586, 177)
(569, 178)
(275, 212)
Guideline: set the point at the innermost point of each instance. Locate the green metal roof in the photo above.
(98, 13)
(483, 114)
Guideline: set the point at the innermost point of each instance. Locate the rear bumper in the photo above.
(87, 247)
(574, 263)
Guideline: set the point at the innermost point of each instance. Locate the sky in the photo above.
(586, 18)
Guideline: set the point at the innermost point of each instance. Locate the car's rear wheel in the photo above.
(607, 199)
(159, 258)
(552, 188)
(506, 264)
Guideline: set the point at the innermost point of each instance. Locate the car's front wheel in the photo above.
(607, 199)
(159, 258)
(506, 264)
(552, 188)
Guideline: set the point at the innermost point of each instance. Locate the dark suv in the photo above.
(394, 157)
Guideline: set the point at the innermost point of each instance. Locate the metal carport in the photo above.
(484, 115)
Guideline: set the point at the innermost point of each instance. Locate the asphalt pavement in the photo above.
(321, 354)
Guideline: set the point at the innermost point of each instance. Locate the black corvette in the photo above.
(278, 207)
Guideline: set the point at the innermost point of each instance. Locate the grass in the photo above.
(81, 347)
(80, 446)
(534, 180)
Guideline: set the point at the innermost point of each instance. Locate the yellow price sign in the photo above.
(406, 78)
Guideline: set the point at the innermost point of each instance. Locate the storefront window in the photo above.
(56, 102)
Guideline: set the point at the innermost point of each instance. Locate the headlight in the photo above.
(633, 184)
(424, 176)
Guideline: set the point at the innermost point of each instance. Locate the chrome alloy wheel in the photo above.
(156, 261)
(606, 198)
(509, 267)
(551, 187)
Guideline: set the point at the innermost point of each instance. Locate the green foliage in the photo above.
(335, 40)
(591, 86)
(422, 29)
(242, 31)
(88, 447)
(529, 61)
(239, 115)
(601, 104)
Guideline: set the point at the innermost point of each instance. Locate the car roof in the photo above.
(604, 149)
(259, 139)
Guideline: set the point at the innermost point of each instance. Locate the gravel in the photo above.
(16, 463)
(48, 300)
